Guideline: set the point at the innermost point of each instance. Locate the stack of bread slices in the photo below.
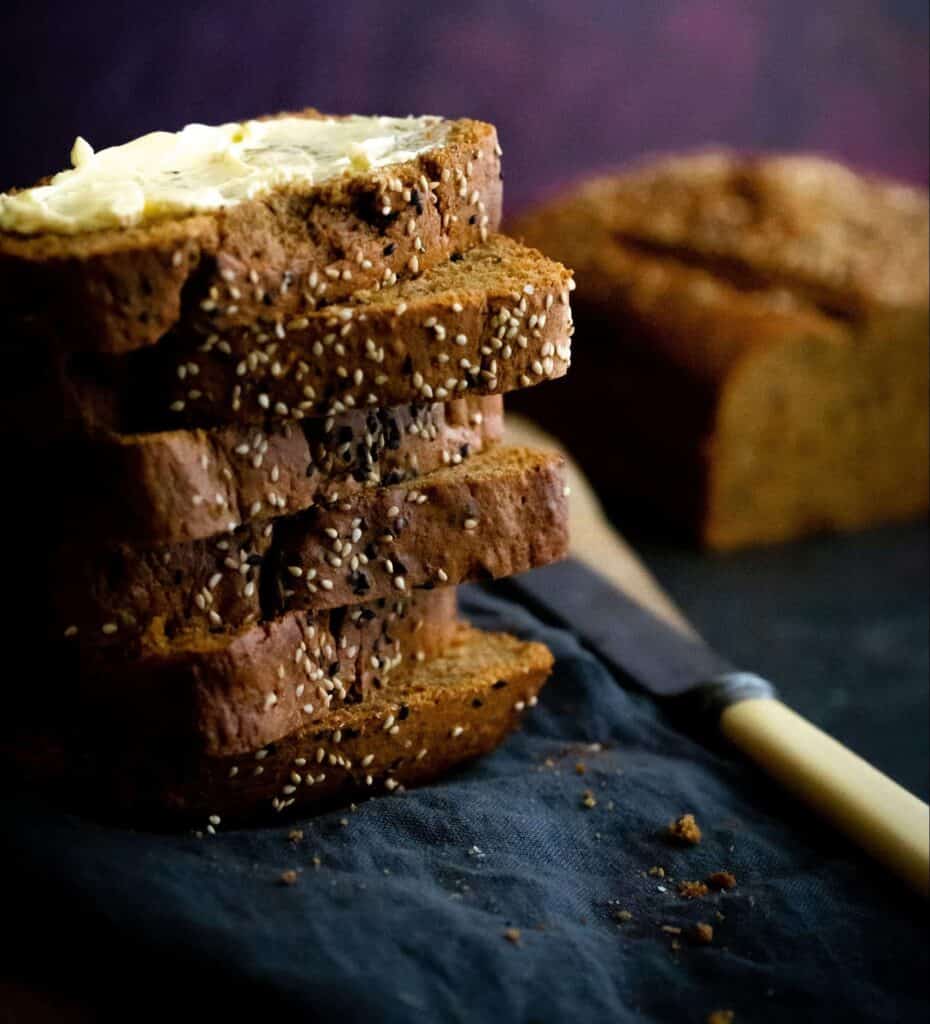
(274, 355)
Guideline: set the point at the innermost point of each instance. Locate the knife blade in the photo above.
(636, 644)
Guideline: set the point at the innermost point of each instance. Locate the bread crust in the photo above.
(181, 485)
(848, 243)
(224, 694)
(447, 710)
(496, 320)
(501, 512)
(116, 290)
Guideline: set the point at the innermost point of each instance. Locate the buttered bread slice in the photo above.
(214, 227)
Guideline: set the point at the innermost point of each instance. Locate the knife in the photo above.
(645, 640)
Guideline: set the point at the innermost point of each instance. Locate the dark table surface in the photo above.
(838, 623)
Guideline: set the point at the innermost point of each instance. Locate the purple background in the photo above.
(572, 84)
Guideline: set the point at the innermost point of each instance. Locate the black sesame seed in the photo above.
(499, 685)
(360, 584)
(388, 250)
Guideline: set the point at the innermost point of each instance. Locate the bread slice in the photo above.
(228, 693)
(501, 512)
(281, 254)
(761, 343)
(180, 485)
(494, 320)
(434, 716)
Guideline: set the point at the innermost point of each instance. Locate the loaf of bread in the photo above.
(758, 329)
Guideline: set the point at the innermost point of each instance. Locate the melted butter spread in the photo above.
(204, 168)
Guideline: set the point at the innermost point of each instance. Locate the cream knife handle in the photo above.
(877, 814)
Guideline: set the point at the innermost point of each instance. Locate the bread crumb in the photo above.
(692, 890)
(295, 835)
(671, 929)
(656, 872)
(685, 830)
(622, 916)
(316, 862)
(588, 799)
(721, 1017)
(721, 880)
(580, 768)
(512, 935)
(288, 877)
(702, 934)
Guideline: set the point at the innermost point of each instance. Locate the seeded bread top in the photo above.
(285, 252)
(841, 241)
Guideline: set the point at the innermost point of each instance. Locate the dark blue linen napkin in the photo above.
(517, 890)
